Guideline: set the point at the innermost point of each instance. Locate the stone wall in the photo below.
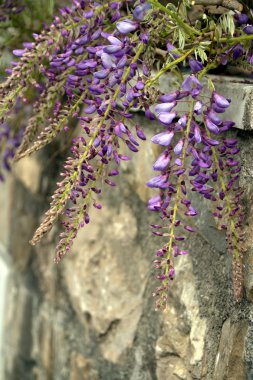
(92, 316)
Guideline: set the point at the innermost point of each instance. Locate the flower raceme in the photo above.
(190, 137)
(93, 64)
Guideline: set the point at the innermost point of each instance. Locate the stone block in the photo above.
(230, 362)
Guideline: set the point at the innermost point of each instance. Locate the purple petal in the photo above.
(183, 121)
(248, 29)
(154, 204)
(122, 62)
(165, 107)
(197, 134)
(171, 48)
(19, 52)
(170, 97)
(158, 181)
(195, 65)
(126, 26)
(114, 41)
(191, 211)
(131, 146)
(101, 74)
(218, 109)
(179, 147)
(162, 161)
(191, 82)
(163, 138)
(111, 49)
(140, 132)
(198, 107)
(107, 61)
(237, 51)
(91, 109)
(166, 118)
(29, 45)
(213, 117)
(140, 10)
(211, 126)
(220, 101)
(241, 18)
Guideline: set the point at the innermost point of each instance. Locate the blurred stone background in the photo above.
(92, 316)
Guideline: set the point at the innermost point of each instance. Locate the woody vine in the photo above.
(98, 63)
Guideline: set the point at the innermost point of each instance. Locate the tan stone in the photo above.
(28, 171)
(5, 202)
(107, 277)
(230, 363)
(181, 346)
(81, 368)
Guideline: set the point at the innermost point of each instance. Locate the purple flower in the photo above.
(218, 109)
(140, 133)
(213, 117)
(248, 29)
(162, 161)
(195, 65)
(197, 134)
(126, 26)
(191, 82)
(191, 211)
(170, 97)
(198, 107)
(19, 52)
(140, 10)
(183, 121)
(114, 41)
(241, 18)
(107, 61)
(165, 107)
(158, 181)
(29, 45)
(237, 51)
(144, 37)
(220, 101)
(179, 147)
(101, 74)
(154, 204)
(211, 126)
(172, 48)
(166, 118)
(91, 109)
(163, 138)
(112, 49)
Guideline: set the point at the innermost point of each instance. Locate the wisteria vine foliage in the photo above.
(96, 63)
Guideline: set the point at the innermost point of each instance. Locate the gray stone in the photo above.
(230, 362)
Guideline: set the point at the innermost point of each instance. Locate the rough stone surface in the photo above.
(92, 316)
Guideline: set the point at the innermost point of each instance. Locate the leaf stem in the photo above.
(187, 28)
(168, 67)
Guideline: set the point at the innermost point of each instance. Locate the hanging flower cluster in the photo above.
(8, 8)
(94, 64)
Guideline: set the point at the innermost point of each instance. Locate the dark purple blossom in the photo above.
(195, 65)
(248, 29)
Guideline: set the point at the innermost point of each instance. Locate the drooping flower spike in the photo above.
(94, 66)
